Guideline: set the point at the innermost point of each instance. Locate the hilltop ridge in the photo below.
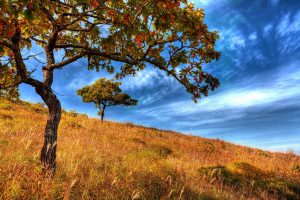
(112, 160)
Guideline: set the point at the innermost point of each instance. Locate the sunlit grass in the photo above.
(122, 161)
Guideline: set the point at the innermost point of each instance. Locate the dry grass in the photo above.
(122, 161)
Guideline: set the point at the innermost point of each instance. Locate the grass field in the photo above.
(122, 161)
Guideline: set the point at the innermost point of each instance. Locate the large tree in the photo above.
(168, 34)
(104, 93)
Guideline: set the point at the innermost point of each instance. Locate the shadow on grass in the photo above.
(245, 177)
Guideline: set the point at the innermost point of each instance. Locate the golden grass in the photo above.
(122, 161)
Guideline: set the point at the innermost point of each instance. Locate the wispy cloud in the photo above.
(247, 94)
(289, 24)
(147, 78)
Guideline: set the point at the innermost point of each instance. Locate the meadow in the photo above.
(112, 160)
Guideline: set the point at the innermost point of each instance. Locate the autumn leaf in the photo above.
(112, 14)
(138, 41)
(95, 3)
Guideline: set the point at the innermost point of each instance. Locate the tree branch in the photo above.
(95, 52)
(162, 67)
(38, 40)
(66, 62)
(63, 46)
(5, 42)
(47, 13)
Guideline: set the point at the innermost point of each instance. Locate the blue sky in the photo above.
(258, 103)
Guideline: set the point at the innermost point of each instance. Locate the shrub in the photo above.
(161, 150)
(73, 113)
(5, 106)
(295, 167)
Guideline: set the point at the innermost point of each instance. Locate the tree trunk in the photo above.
(102, 115)
(48, 152)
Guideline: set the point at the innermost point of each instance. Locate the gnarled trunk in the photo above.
(102, 114)
(48, 153)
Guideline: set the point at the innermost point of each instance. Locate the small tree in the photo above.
(105, 93)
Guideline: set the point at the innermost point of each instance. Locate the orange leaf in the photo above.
(95, 3)
(138, 40)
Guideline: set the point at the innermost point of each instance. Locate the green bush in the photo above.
(295, 167)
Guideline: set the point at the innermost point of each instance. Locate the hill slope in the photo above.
(122, 161)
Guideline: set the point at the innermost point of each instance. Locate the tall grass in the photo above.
(121, 161)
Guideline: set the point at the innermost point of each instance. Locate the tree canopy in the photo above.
(168, 34)
(104, 93)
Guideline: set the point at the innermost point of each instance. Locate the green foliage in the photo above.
(8, 86)
(170, 35)
(10, 93)
(105, 93)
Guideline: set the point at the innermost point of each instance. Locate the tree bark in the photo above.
(102, 115)
(48, 152)
(102, 110)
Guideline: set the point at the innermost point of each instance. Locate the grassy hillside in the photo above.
(122, 161)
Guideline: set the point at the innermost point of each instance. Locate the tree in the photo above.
(167, 34)
(105, 93)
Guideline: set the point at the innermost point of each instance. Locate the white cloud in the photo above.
(85, 78)
(153, 97)
(289, 25)
(202, 2)
(231, 39)
(147, 78)
(252, 36)
(142, 79)
(267, 30)
(79, 82)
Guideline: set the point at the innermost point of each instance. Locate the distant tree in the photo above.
(104, 93)
(169, 34)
